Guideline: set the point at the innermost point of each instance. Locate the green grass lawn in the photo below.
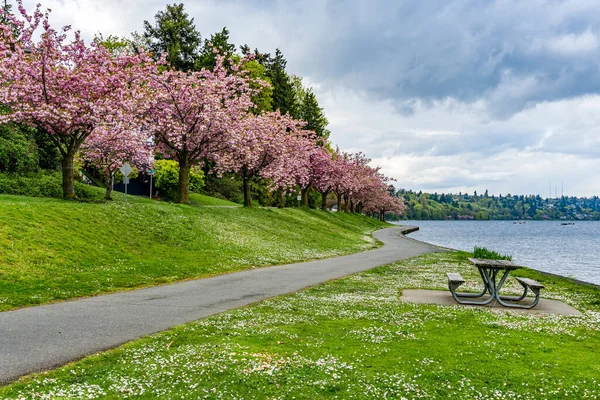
(353, 338)
(202, 200)
(55, 250)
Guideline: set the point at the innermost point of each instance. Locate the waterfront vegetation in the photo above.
(354, 338)
(485, 206)
(484, 253)
(57, 250)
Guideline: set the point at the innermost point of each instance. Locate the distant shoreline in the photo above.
(492, 219)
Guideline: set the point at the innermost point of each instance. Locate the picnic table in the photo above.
(489, 270)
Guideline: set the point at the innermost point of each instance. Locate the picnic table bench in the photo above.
(489, 270)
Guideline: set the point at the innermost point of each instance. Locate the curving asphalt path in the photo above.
(40, 338)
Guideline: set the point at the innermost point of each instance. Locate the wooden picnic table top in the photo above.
(498, 264)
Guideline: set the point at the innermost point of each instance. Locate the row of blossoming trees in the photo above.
(116, 107)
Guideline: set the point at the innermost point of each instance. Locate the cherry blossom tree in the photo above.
(109, 147)
(368, 181)
(193, 115)
(322, 174)
(360, 180)
(345, 179)
(358, 185)
(380, 201)
(269, 145)
(62, 86)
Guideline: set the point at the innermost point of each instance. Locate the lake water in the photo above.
(568, 250)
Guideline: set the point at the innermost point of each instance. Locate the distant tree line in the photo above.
(436, 206)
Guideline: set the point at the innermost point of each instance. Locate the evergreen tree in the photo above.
(313, 115)
(173, 33)
(7, 10)
(309, 110)
(219, 42)
(284, 97)
(262, 58)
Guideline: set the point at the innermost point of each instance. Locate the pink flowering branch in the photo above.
(272, 146)
(64, 87)
(108, 148)
(193, 115)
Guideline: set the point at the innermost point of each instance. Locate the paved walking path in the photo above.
(40, 338)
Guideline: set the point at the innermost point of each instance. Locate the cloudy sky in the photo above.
(444, 95)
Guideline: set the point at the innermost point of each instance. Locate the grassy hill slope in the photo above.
(55, 250)
(202, 200)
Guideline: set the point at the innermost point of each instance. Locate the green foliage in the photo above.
(173, 33)
(261, 192)
(482, 252)
(24, 149)
(18, 152)
(227, 187)
(167, 178)
(82, 249)
(114, 44)
(44, 184)
(48, 154)
(264, 99)
(313, 115)
(219, 42)
(284, 96)
(309, 110)
(465, 206)
(314, 199)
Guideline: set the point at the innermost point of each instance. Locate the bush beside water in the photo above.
(482, 252)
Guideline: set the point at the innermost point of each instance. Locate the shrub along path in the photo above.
(38, 338)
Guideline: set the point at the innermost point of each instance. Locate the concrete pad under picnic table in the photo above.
(443, 297)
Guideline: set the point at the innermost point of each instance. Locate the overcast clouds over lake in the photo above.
(444, 95)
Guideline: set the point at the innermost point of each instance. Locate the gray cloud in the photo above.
(513, 54)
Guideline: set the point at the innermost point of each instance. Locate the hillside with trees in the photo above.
(484, 206)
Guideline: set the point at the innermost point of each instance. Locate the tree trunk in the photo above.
(246, 187)
(183, 188)
(346, 203)
(324, 200)
(108, 184)
(305, 196)
(282, 199)
(352, 209)
(68, 175)
(339, 201)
